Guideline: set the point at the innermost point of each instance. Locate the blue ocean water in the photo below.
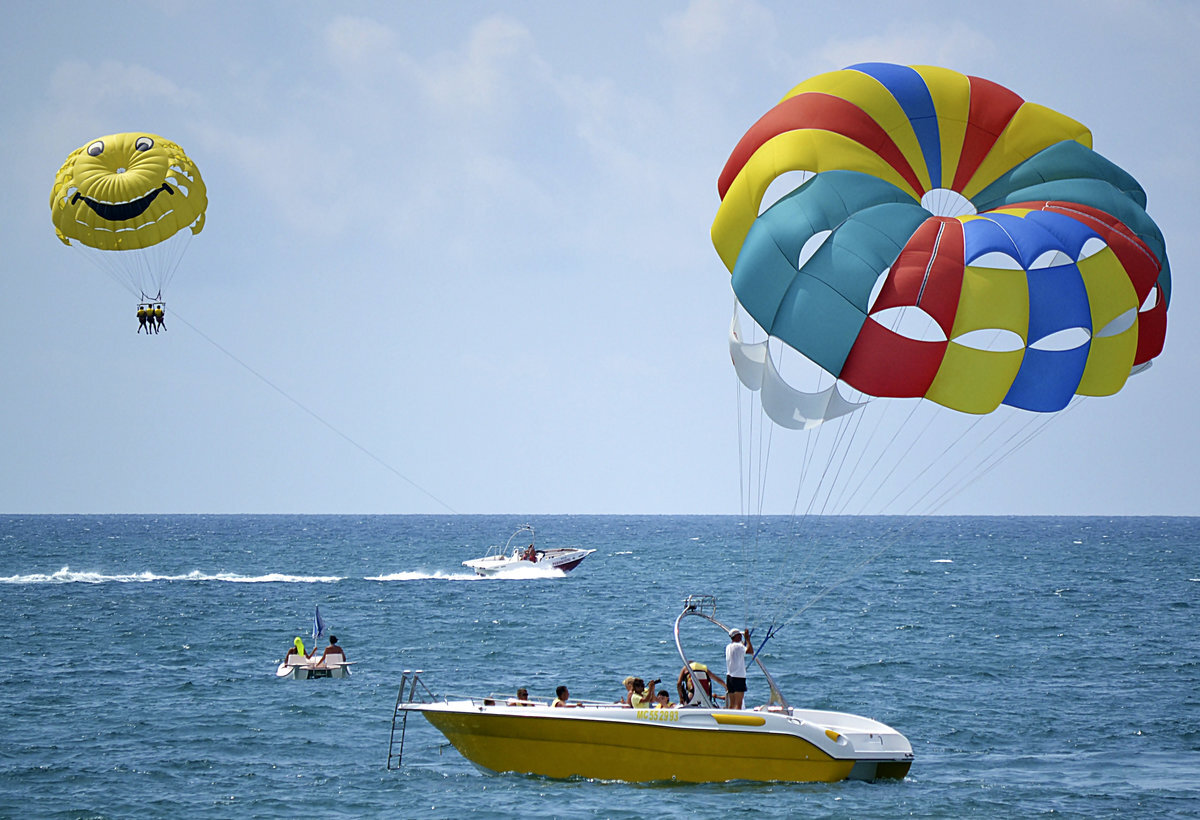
(1037, 665)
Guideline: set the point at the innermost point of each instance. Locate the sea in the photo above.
(1038, 666)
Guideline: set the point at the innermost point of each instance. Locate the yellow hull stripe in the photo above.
(740, 720)
(638, 752)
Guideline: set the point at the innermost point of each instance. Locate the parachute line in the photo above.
(176, 317)
(972, 460)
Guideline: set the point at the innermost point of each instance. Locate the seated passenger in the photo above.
(663, 701)
(562, 694)
(522, 698)
(640, 698)
(624, 701)
(297, 648)
(339, 655)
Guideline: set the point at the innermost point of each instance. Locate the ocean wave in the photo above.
(517, 573)
(66, 575)
(418, 575)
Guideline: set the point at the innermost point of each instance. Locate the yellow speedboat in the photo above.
(700, 743)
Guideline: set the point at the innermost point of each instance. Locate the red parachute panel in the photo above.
(884, 363)
(928, 272)
(992, 107)
(823, 112)
(1152, 331)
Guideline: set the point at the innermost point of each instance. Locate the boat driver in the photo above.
(735, 663)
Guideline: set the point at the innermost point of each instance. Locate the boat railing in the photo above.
(496, 552)
(523, 528)
(502, 699)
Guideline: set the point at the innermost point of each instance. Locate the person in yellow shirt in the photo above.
(563, 694)
(640, 698)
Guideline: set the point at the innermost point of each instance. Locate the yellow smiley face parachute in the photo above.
(131, 202)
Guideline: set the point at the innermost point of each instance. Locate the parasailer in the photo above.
(131, 202)
(940, 243)
(151, 317)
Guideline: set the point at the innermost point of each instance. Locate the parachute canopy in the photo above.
(947, 240)
(130, 196)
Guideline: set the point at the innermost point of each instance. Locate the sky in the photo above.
(457, 257)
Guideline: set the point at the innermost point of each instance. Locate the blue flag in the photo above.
(318, 626)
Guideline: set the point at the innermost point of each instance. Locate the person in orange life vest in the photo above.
(701, 673)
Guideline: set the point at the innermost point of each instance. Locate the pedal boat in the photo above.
(298, 667)
(507, 558)
(701, 743)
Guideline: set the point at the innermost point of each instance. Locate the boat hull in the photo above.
(311, 672)
(559, 558)
(690, 745)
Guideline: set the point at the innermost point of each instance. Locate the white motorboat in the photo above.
(524, 556)
(701, 743)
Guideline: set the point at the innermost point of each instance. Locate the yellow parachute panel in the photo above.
(127, 192)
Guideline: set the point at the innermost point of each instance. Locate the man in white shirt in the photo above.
(735, 667)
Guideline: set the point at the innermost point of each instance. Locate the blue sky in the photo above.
(467, 243)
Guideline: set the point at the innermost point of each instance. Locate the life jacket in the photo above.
(700, 674)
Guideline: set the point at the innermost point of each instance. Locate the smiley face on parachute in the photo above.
(126, 192)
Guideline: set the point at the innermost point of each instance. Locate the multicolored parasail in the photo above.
(132, 201)
(949, 241)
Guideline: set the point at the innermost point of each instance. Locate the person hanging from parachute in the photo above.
(151, 317)
(131, 202)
